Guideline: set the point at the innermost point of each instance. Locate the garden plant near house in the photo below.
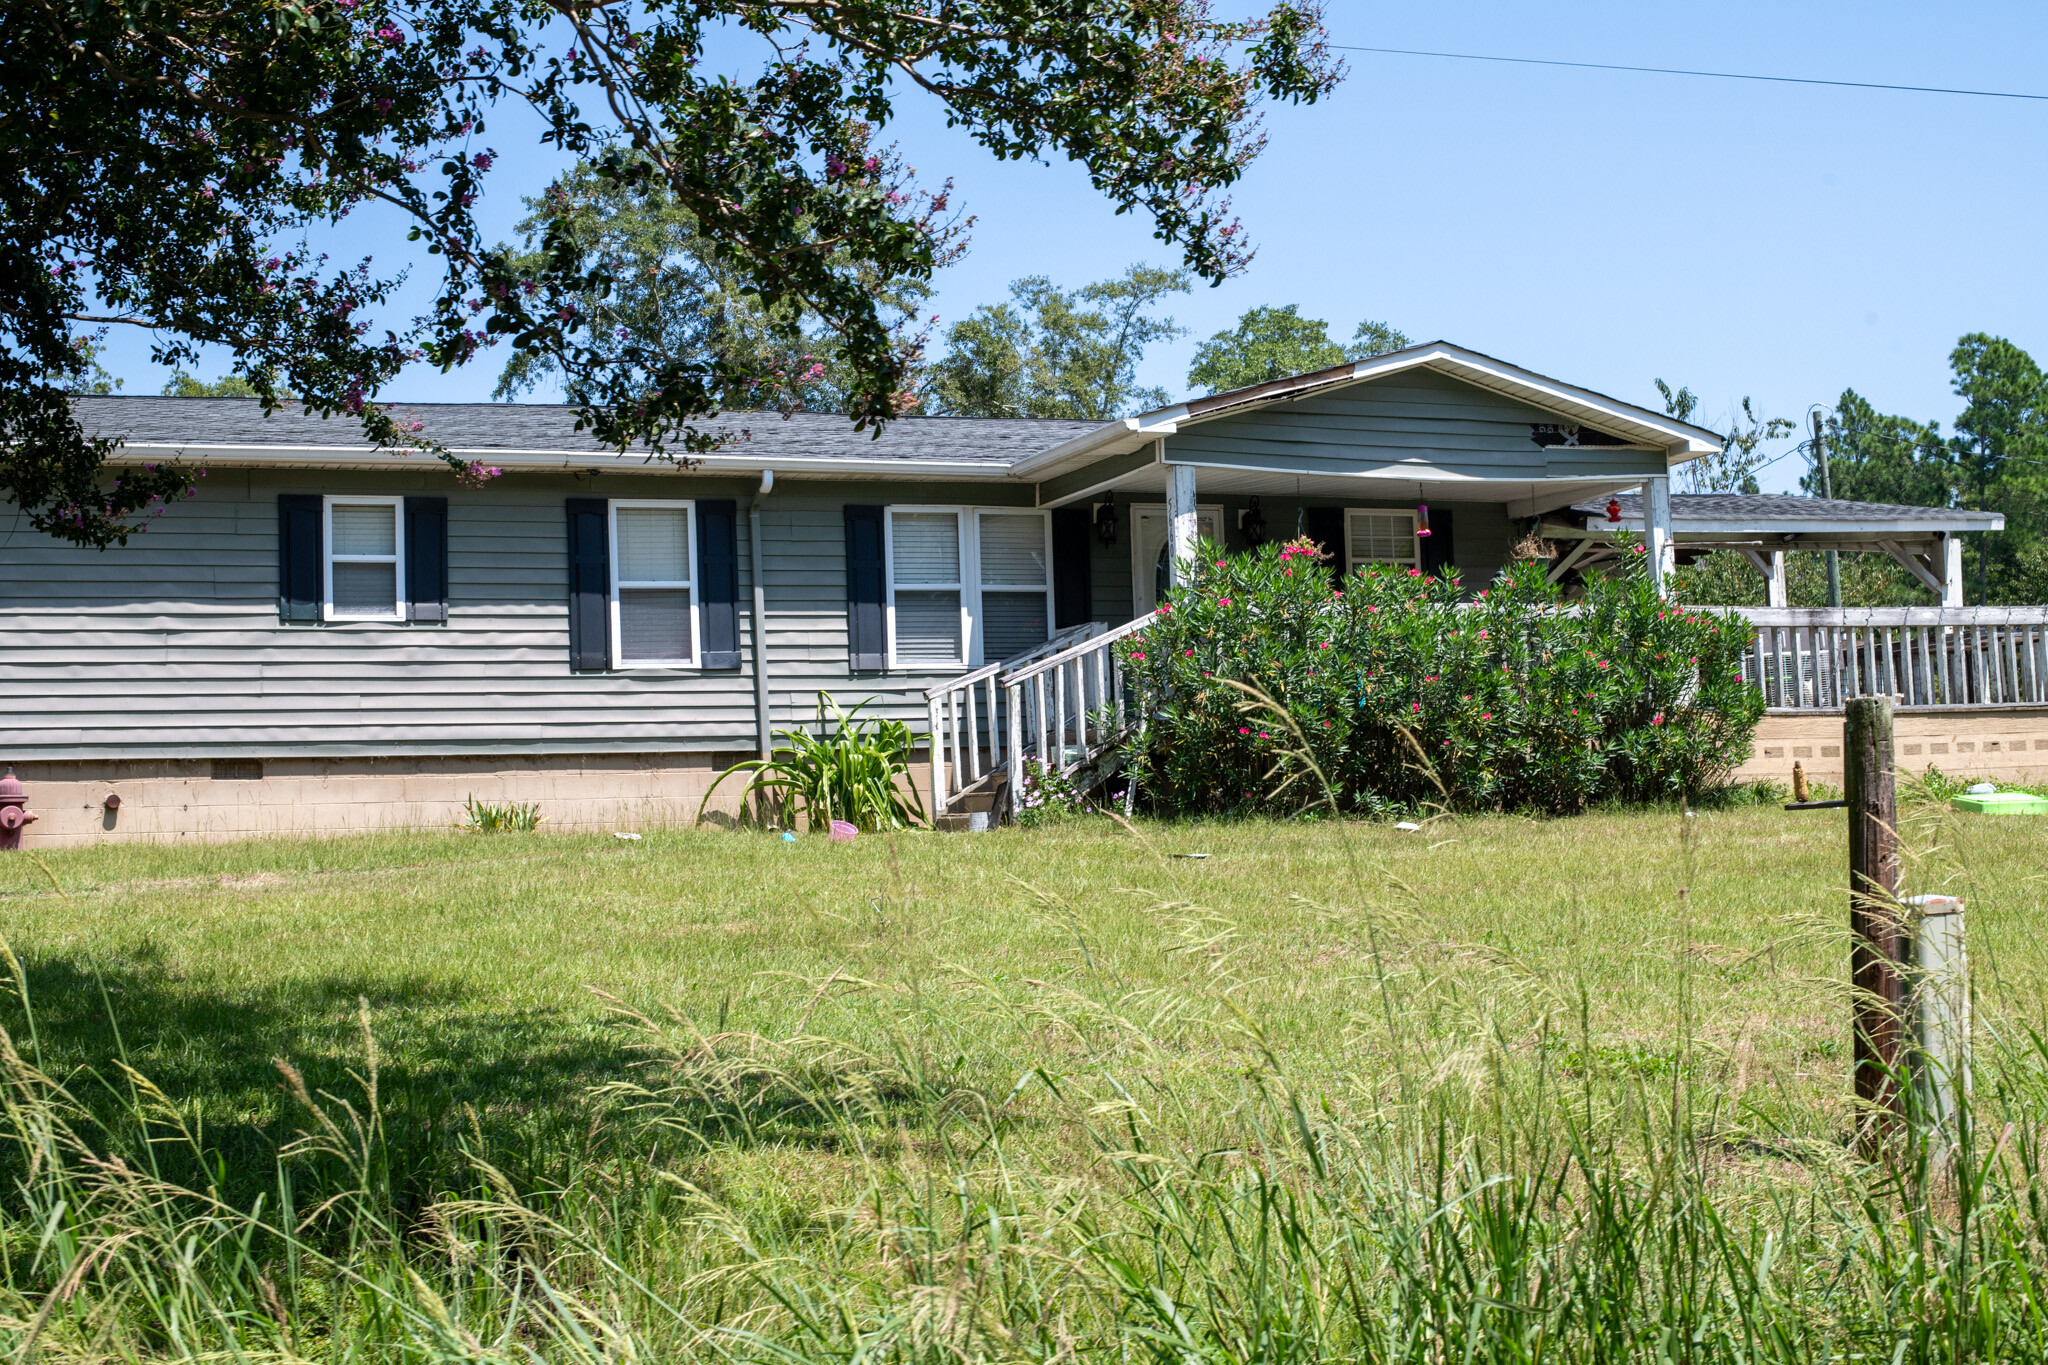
(857, 771)
(1400, 693)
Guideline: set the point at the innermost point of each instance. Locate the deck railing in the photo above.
(1066, 703)
(1067, 709)
(1810, 659)
(1059, 704)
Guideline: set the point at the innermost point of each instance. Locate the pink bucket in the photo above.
(842, 833)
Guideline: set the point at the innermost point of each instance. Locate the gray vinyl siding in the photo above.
(170, 646)
(1413, 425)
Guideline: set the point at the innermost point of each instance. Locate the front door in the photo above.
(1148, 550)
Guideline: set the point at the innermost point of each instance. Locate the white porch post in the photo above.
(1780, 596)
(1657, 529)
(1182, 526)
(1951, 570)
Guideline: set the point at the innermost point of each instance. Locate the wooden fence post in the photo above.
(1941, 1011)
(1878, 939)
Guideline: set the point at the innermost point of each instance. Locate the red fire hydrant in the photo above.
(15, 815)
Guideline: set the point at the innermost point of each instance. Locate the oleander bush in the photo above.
(1267, 680)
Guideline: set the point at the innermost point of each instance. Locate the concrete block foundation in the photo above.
(179, 800)
(2002, 744)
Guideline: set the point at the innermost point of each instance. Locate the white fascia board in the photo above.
(366, 457)
(1753, 530)
(1113, 438)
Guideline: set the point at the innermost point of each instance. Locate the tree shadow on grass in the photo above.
(458, 1075)
(452, 1065)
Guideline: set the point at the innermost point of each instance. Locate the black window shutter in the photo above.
(718, 578)
(867, 636)
(590, 587)
(1438, 549)
(299, 557)
(1325, 526)
(1073, 533)
(426, 559)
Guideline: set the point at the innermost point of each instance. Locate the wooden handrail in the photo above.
(1094, 642)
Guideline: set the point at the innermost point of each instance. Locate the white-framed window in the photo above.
(364, 576)
(1013, 580)
(967, 585)
(929, 624)
(1374, 535)
(654, 588)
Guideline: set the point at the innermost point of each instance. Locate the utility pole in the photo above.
(1827, 490)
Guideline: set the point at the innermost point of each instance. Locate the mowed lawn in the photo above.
(1359, 954)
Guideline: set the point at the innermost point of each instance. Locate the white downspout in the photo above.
(763, 732)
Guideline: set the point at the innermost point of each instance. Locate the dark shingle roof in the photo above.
(216, 422)
(1782, 507)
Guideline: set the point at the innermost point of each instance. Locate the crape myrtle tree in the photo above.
(161, 161)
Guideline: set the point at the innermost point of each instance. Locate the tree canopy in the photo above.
(659, 286)
(1733, 468)
(1055, 352)
(1997, 461)
(161, 162)
(1274, 342)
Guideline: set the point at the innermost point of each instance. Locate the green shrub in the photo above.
(1400, 694)
(857, 771)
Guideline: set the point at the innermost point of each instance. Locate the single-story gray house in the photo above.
(330, 636)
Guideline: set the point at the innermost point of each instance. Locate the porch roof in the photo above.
(1624, 422)
(1775, 521)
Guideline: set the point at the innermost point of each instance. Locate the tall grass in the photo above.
(1080, 1165)
(1501, 1199)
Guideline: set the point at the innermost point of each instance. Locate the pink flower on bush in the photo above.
(1326, 644)
(1657, 719)
(1482, 635)
(1244, 730)
(1486, 715)
(1602, 663)
(1414, 706)
(1415, 573)
(1222, 601)
(1326, 725)
(1139, 654)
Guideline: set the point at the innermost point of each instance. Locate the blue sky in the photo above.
(1608, 228)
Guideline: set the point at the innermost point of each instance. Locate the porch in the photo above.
(1971, 684)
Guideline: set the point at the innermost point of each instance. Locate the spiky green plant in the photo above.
(856, 770)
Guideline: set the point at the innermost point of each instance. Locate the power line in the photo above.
(1681, 71)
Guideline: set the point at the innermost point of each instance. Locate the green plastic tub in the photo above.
(2004, 803)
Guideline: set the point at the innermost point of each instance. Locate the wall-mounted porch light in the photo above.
(1252, 523)
(1105, 522)
(1421, 520)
